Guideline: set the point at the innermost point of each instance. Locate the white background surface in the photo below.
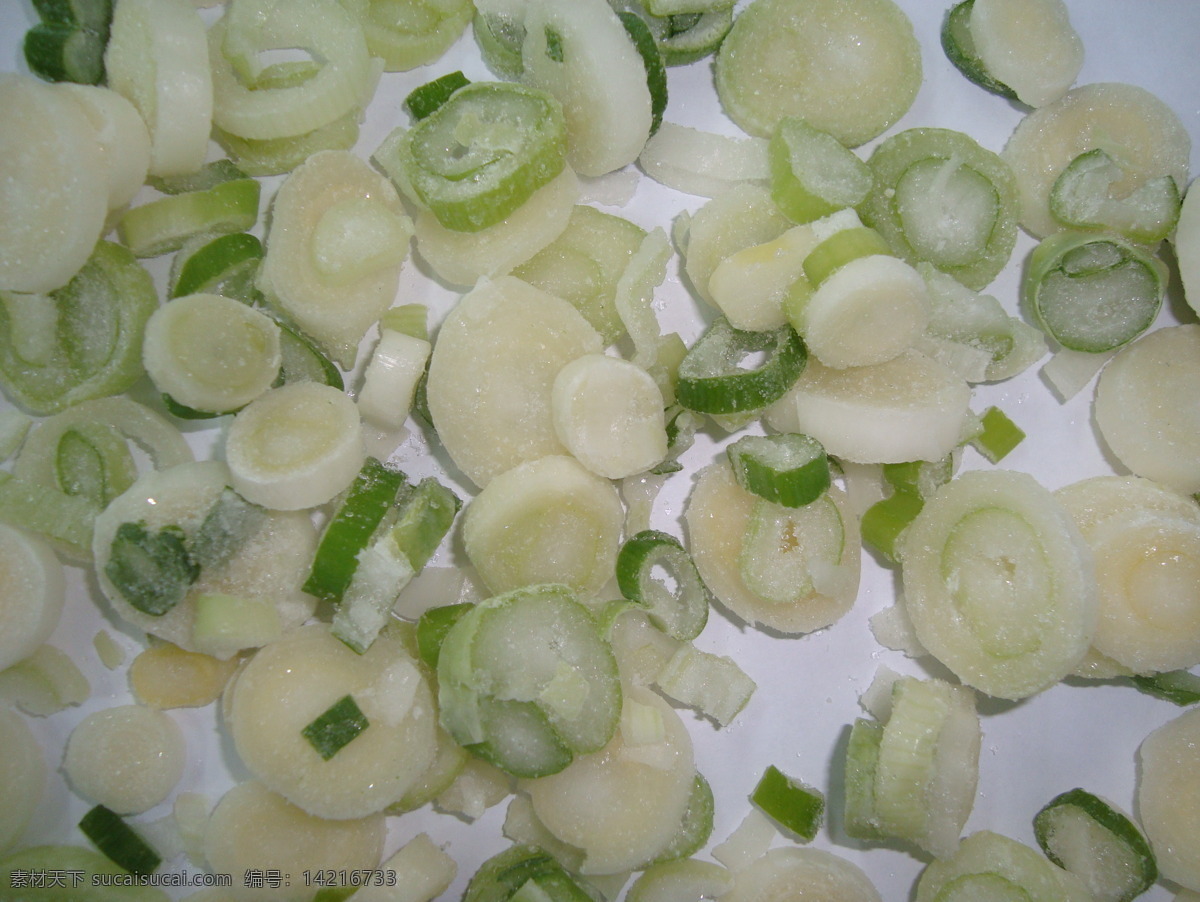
(1072, 735)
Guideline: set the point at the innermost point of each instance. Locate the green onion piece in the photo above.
(499, 38)
(1179, 687)
(681, 612)
(432, 628)
(684, 38)
(789, 469)
(812, 173)
(163, 225)
(66, 519)
(696, 827)
(1092, 293)
(794, 805)
(93, 460)
(333, 730)
(428, 97)
(409, 319)
(80, 342)
(860, 818)
(884, 522)
(303, 361)
(1080, 199)
(119, 842)
(482, 153)
(959, 47)
(57, 52)
(225, 265)
(151, 570)
(997, 435)
(368, 499)
(14, 426)
(712, 381)
(1087, 836)
(652, 58)
(839, 249)
(276, 156)
(207, 176)
(502, 876)
(226, 528)
(183, 412)
(919, 477)
(426, 514)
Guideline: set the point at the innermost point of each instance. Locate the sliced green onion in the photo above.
(680, 612)
(163, 225)
(789, 469)
(1080, 199)
(66, 519)
(225, 265)
(812, 173)
(499, 38)
(481, 154)
(426, 514)
(423, 100)
(119, 842)
(336, 727)
(794, 805)
(406, 35)
(920, 477)
(997, 436)
(523, 869)
(1084, 834)
(433, 626)
(1180, 687)
(960, 50)
(711, 379)
(14, 427)
(225, 529)
(367, 501)
(862, 760)
(303, 361)
(839, 249)
(884, 522)
(1093, 293)
(407, 319)
(696, 827)
(652, 58)
(381, 571)
(207, 176)
(715, 685)
(152, 570)
(276, 156)
(57, 52)
(93, 460)
(82, 341)
(684, 38)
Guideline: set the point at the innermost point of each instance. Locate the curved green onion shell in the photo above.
(790, 469)
(681, 613)
(711, 380)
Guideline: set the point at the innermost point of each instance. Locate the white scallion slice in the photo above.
(715, 685)
(1186, 243)
(24, 777)
(812, 173)
(1167, 794)
(406, 36)
(1144, 411)
(157, 58)
(681, 880)
(32, 592)
(815, 872)
(998, 583)
(211, 353)
(851, 71)
(1137, 128)
(167, 223)
(390, 379)
(1028, 45)
(608, 413)
(990, 866)
(492, 373)
(753, 285)
(545, 520)
(703, 163)
(123, 138)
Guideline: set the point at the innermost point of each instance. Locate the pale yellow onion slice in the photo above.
(702, 162)
(53, 186)
(332, 286)
(124, 140)
(1168, 797)
(1146, 410)
(329, 35)
(492, 372)
(157, 57)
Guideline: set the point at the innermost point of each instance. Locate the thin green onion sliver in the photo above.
(712, 381)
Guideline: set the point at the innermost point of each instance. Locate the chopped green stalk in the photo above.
(942, 198)
(276, 156)
(334, 729)
(119, 842)
(1087, 836)
(481, 154)
(789, 469)
(303, 361)
(812, 173)
(656, 71)
(426, 514)
(93, 460)
(226, 528)
(696, 827)
(82, 341)
(163, 225)
(94, 15)
(1180, 687)
(712, 381)
(499, 38)
(433, 626)
(681, 612)
(423, 100)
(57, 52)
(997, 435)
(367, 501)
(920, 477)
(207, 176)
(960, 50)
(224, 265)
(503, 876)
(381, 571)
(794, 805)
(1080, 199)
(1093, 293)
(151, 570)
(714, 685)
(884, 522)
(862, 760)
(684, 38)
